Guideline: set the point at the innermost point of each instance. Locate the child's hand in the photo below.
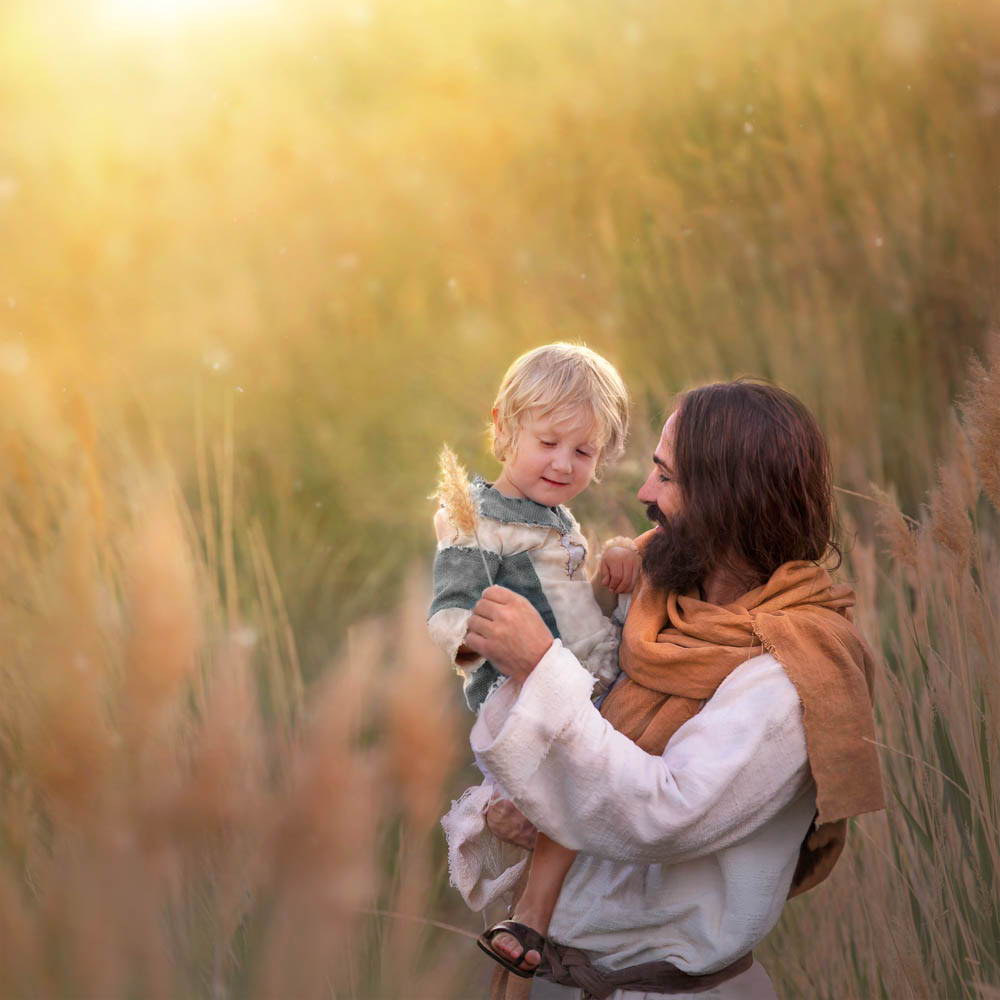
(619, 570)
(506, 822)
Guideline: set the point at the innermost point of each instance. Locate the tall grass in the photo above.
(182, 815)
(915, 910)
(176, 818)
(254, 272)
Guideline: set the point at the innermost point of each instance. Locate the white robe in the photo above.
(685, 857)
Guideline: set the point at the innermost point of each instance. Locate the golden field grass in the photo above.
(257, 267)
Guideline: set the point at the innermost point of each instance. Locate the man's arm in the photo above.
(726, 771)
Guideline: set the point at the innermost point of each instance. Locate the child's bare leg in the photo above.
(549, 864)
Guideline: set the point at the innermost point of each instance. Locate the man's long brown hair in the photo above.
(754, 471)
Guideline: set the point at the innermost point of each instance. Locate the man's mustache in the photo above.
(656, 515)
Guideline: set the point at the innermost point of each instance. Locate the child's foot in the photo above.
(511, 949)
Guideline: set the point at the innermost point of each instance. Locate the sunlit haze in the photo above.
(156, 15)
(261, 259)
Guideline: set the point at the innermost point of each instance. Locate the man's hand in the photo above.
(506, 629)
(620, 569)
(508, 823)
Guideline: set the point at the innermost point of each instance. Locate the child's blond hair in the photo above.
(557, 379)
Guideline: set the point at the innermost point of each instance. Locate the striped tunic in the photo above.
(536, 551)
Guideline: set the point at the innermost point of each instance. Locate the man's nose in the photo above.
(646, 494)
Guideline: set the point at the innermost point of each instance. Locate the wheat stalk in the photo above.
(455, 495)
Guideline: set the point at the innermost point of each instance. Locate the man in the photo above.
(745, 690)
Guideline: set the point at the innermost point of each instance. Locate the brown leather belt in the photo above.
(570, 967)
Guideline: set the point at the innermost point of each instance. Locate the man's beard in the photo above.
(674, 559)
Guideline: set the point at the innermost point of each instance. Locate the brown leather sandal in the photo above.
(527, 937)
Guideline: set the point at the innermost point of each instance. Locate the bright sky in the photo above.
(159, 15)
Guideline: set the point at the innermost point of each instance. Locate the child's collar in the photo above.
(519, 510)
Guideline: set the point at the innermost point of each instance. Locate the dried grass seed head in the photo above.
(950, 524)
(165, 633)
(896, 533)
(982, 421)
(963, 461)
(560, 381)
(422, 737)
(454, 493)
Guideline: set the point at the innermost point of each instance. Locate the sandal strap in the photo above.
(527, 937)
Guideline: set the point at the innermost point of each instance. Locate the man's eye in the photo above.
(663, 478)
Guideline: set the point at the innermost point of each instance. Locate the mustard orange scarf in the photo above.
(676, 650)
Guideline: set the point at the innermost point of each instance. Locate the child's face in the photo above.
(551, 460)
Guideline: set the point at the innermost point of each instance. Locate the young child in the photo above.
(560, 416)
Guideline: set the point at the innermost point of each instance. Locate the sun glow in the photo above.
(156, 15)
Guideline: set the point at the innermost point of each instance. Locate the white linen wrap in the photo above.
(685, 857)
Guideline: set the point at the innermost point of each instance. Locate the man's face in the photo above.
(674, 559)
(660, 490)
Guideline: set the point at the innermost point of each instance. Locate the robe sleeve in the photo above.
(725, 772)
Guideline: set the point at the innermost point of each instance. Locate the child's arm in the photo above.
(459, 580)
(617, 573)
